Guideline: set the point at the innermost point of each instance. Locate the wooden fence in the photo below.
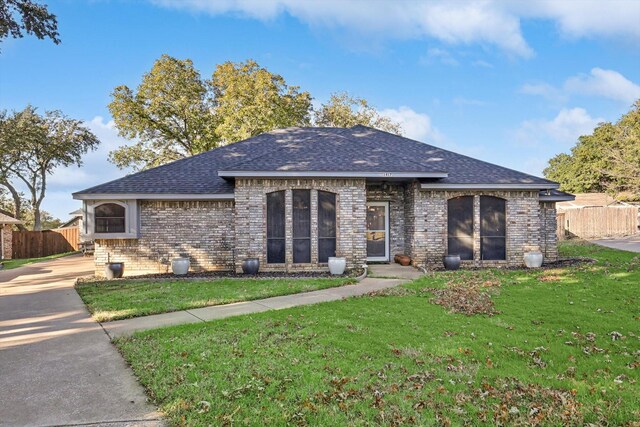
(36, 244)
(596, 222)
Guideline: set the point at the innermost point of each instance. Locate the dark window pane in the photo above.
(493, 248)
(275, 215)
(460, 217)
(462, 246)
(326, 249)
(493, 228)
(109, 218)
(275, 227)
(326, 214)
(460, 227)
(275, 251)
(109, 210)
(301, 213)
(492, 217)
(301, 250)
(326, 225)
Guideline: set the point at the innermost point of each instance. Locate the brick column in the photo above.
(7, 241)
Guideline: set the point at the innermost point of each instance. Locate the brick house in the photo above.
(295, 197)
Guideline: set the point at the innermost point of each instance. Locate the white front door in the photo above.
(377, 231)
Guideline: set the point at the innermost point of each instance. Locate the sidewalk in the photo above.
(125, 327)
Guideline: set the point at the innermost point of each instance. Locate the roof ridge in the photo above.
(338, 135)
(450, 151)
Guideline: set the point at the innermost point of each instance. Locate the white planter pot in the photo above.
(180, 266)
(337, 265)
(533, 259)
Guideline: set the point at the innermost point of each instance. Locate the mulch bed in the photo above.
(205, 275)
(560, 263)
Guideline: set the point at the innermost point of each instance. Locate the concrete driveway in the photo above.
(631, 243)
(57, 366)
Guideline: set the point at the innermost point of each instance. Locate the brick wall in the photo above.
(548, 235)
(394, 195)
(427, 229)
(201, 230)
(6, 234)
(250, 221)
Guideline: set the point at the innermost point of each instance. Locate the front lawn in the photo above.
(14, 263)
(561, 349)
(123, 299)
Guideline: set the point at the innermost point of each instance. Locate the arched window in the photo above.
(460, 227)
(275, 228)
(109, 218)
(493, 228)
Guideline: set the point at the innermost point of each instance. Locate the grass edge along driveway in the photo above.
(123, 299)
(562, 349)
(19, 262)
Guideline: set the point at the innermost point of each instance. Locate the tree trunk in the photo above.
(37, 221)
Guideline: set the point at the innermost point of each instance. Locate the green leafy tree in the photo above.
(606, 160)
(175, 114)
(33, 145)
(26, 16)
(250, 100)
(169, 115)
(344, 110)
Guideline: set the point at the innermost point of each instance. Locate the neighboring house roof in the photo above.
(358, 151)
(6, 219)
(555, 196)
(584, 200)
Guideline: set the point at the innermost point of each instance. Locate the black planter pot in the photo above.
(114, 270)
(451, 262)
(251, 266)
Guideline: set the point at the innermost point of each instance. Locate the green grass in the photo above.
(15, 263)
(124, 299)
(398, 359)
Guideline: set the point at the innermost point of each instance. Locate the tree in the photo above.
(344, 110)
(34, 145)
(25, 16)
(607, 160)
(170, 115)
(250, 100)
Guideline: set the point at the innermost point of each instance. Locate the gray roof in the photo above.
(342, 151)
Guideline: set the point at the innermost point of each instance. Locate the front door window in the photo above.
(377, 231)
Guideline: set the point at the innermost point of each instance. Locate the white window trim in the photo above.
(130, 220)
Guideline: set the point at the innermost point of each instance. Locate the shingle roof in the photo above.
(355, 149)
(6, 219)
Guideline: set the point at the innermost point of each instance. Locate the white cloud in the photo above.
(606, 83)
(454, 23)
(545, 90)
(435, 54)
(564, 129)
(415, 125)
(599, 82)
(490, 22)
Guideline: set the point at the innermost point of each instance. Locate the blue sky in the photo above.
(513, 83)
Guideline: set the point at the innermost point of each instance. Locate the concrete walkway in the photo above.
(128, 326)
(631, 243)
(57, 366)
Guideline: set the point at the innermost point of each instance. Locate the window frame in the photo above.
(335, 226)
(123, 217)
(503, 225)
(460, 238)
(301, 214)
(281, 227)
